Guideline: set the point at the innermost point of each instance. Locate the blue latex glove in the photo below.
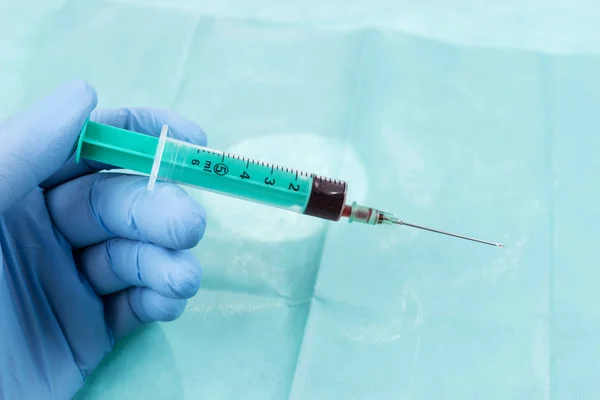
(86, 257)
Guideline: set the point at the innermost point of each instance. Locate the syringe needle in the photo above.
(372, 216)
(396, 221)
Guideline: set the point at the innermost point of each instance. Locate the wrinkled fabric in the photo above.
(475, 119)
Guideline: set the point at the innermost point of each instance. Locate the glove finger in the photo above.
(143, 120)
(120, 263)
(129, 309)
(98, 207)
(36, 143)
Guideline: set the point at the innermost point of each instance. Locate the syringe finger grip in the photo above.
(154, 173)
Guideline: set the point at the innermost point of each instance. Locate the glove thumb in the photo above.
(38, 141)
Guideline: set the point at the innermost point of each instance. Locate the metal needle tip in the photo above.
(449, 234)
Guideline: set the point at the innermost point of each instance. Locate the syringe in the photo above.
(172, 160)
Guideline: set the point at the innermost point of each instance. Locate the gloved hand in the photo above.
(86, 257)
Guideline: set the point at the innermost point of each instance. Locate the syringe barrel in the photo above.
(234, 176)
(213, 170)
(327, 198)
